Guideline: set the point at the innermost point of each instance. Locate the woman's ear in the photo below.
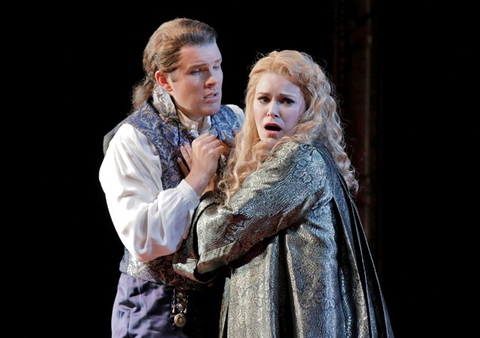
(162, 80)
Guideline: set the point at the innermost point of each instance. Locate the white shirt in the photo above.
(151, 221)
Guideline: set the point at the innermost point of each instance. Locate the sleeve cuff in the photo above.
(189, 192)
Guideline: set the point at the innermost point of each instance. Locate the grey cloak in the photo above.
(298, 257)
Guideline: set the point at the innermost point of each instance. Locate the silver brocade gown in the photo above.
(315, 278)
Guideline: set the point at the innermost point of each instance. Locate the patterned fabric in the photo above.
(316, 278)
(158, 121)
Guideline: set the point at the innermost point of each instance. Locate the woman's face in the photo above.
(277, 106)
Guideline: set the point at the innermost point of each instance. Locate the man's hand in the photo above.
(201, 161)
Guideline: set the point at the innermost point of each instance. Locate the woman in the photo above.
(289, 176)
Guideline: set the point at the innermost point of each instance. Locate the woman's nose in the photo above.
(273, 110)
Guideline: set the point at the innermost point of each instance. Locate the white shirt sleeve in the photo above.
(149, 220)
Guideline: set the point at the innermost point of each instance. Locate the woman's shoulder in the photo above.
(314, 155)
(301, 148)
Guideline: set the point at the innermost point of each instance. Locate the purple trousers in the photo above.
(144, 309)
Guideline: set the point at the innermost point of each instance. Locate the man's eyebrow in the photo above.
(198, 65)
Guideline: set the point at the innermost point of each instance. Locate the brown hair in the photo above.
(163, 51)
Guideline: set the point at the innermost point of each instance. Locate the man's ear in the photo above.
(163, 81)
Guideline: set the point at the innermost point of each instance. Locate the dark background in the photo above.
(83, 62)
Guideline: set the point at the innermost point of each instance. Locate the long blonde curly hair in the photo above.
(319, 121)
